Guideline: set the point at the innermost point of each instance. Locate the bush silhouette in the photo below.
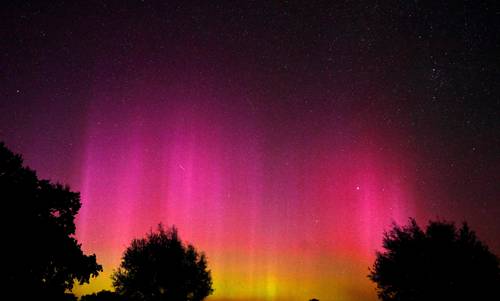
(102, 296)
(440, 263)
(161, 267)
(41, 256)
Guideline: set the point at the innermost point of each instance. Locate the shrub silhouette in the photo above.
(42, 257)
(161, 267)
(102, 296)
(440, 263)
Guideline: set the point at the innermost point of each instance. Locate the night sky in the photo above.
(281, 138)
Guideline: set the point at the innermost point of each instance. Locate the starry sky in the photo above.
(282, 138)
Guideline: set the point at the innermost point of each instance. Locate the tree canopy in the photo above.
(42, 256)
(162, 267)
(442, 262)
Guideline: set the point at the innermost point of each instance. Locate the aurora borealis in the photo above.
(281, 139)
(214, 179)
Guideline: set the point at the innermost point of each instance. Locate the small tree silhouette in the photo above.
(161, 267)
(101, 296)
(440, 263)
(41, 256)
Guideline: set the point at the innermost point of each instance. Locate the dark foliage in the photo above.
(42, 258)
(69, 297)
(440, 263)
(161, 267)
(102, 296)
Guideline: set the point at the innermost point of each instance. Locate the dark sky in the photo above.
(281, 106)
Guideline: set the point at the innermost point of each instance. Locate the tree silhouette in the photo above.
(161, 267)
(102, 296)
(41, 256)
(440, 263)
